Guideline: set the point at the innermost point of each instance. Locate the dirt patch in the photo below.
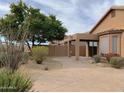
(49, 62)
(66, 74)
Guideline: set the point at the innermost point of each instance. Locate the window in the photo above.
(104, 44)
(114, 44)
(93, 44)
(90, 43)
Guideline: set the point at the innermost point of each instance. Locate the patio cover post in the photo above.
(87, 50)
(77, 47)
(97, 48)
(68, 48)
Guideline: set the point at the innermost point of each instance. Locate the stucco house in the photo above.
(107, 36)
(110, 31)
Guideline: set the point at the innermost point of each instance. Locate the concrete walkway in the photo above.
(75, 76)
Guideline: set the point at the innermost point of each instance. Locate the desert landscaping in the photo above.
(66, 74)
(61, 46)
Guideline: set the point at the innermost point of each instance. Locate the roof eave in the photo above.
(102, 18)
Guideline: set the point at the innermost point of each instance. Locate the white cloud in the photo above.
(77, 15)
(119, 2)
(55, 4)
(66, 12)
(95, 12)
(4, 7)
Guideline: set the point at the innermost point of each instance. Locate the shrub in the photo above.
(117, 62)
(11, 56)
(97, 58)
(110, 55)
(5, 59)
(11, 59)
(14, 82)
(2, 59)
(39, 53)
(25, 57)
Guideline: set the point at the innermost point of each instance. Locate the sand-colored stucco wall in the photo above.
(122, 44)
(109, 22)
(61, 50)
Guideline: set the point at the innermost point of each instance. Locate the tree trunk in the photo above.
(28, 46)
(22, 46)
(33, 41)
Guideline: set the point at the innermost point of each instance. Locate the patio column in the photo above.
(97, 48)
(87, 49)
(77, 42)
(68, 48)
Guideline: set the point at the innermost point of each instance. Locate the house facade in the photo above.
(107, 36)
(110, 31)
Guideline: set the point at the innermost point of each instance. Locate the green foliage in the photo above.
(54, 29)
(117, 62)
(12, 25)
(39, 53)
(20, 10)
(97, 58)
(37, 26)
(14, 82)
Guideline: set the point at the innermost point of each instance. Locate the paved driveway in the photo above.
(66, 74)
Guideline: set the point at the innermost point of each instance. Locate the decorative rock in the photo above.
(100, 64)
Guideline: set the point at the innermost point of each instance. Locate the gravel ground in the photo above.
(67, 75)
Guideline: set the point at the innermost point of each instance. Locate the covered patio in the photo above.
(89, 40)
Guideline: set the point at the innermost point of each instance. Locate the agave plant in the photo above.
(14, 82)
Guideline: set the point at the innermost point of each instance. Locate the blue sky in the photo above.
(78, 16)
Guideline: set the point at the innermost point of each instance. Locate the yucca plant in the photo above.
(14, 82)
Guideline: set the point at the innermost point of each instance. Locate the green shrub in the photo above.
(39, 53)
(117, 62)
(97, 58)
(14, 82)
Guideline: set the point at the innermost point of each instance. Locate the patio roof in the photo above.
(81, 37)
(87, 37)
